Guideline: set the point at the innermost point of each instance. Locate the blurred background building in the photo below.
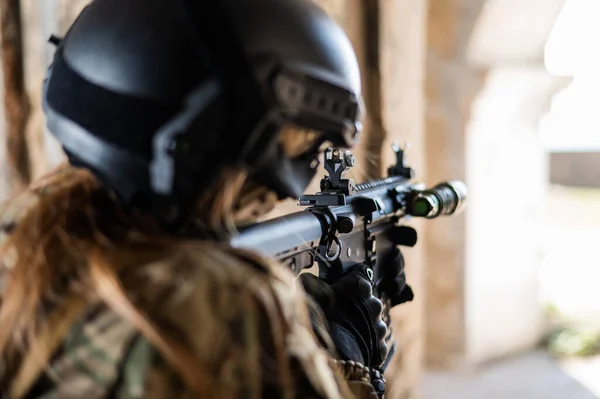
(500, 93)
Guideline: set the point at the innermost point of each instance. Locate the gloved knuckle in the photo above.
(383, 351)
(381, 329)
(365, 289)
(375, 306)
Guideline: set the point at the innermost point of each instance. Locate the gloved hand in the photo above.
(353, 314)
(390, 281)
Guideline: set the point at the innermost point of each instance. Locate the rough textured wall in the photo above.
(16, 102)
(402, 34)
(451, 86)
(42, 20)
(35, 38)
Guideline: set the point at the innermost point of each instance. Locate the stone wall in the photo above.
(451, 86)
(401, 67)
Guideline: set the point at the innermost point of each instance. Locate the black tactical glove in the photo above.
(353, 314)
(391, 279)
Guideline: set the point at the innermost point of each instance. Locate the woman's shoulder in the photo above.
(200, 299)
(207, 282)
(210, 268)
(242, 316)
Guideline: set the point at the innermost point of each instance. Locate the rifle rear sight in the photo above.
(335, 189)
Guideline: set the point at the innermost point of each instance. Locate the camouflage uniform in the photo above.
(245, 323)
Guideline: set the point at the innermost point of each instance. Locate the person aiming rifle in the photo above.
(183, 120)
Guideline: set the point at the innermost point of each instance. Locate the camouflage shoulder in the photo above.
(105, 356)
(90, 361)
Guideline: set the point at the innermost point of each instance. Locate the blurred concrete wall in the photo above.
(508, 182)
(486, 92)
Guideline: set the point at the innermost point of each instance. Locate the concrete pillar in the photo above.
(41, 18)
(4, 172)
(486, 92)
(37, 31)
(451, 85)
(508, 174)
(399, 111)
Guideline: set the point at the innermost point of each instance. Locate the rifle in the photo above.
(345, 223)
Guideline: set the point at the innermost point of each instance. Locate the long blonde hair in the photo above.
(70, 237)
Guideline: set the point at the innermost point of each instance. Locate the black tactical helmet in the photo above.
(153, 95)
